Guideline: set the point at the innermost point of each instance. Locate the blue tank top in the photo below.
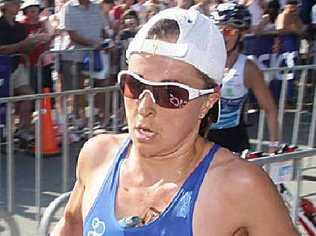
(176, 219)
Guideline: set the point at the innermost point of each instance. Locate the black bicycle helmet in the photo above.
(233, 14)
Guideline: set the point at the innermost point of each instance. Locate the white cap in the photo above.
(200, 43)
(28, 3)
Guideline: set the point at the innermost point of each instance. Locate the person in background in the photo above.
(288, 20)
(185, 4)
(151, 9)
(117, 12)
(129, 26)
(163, 178)
(15, 39)
(255, 7)
(267, 22)
(140, 8)
(203, 6)
(107, 6)
(241, 75)
(36, 26)
(76, 19)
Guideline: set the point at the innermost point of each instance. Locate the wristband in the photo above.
(274, 144)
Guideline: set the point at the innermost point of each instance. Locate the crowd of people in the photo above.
(32, 28)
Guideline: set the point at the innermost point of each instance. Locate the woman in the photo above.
(241, 74)
(267, 22)
(164, 178)
(38, 27)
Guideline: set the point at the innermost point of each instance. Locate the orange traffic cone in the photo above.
(48, 132)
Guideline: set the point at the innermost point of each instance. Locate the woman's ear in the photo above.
(209, 103)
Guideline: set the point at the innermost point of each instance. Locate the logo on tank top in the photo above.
(98, 227)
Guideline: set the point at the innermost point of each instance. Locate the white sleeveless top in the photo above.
(233, 95)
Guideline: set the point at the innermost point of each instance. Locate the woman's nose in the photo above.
(146, 104)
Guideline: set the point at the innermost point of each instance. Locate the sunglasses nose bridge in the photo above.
(150, 94)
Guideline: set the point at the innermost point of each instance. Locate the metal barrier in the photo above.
(38, 156)
(285, 71)
(296, 157)
(9, 102)
(91, 92)
(6, 214)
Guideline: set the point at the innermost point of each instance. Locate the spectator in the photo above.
(140, 8)
(118, 11)
(77, 19)
(35, 26)
(130, 24)
(288, 20)
(203, 6)
(255, 7)
(151, 10)
(14, 39)
(107, 6)
(267, 22)
(185, 4)
(306, 10)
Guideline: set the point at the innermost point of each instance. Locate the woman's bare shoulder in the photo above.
(98, 151)
(236, 174)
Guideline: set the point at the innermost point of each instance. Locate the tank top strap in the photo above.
(184, 202)
(120, 155)
(109, 182)
(196, 178)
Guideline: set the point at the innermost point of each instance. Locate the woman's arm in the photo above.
(254, 80)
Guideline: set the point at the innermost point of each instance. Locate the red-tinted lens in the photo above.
(130, 86)
(167, 96)
(171, 96)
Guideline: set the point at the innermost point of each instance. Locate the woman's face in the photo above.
(32, 12)
(156, 130)
(230, 36)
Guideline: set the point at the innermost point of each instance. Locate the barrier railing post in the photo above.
(65, 161)
(91, 96)
(282, 104)
(299, 106)
(312, 129)
(38, 163)
(296, 200)
(10, 161)
(91, 113)
(260, 130)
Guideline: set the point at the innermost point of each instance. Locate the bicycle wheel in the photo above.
(49, 216)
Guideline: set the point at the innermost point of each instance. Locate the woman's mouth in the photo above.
(144, 134)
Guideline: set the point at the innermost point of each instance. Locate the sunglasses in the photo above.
(228, 31)
(170, 95)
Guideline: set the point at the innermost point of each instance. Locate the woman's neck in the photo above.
(171, 167)
(232, 57)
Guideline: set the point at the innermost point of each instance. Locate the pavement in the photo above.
(52, 183)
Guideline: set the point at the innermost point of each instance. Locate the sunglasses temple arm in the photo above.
(206, 91)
